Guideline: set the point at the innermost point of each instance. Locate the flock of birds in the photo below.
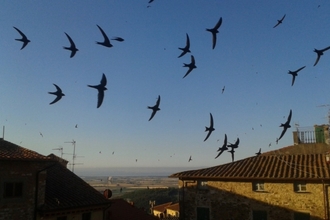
(101, 87)
(191, 66)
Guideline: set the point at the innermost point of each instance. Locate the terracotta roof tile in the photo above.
(162, 207)
(65, 190)
(122, 210)
(307, 166)
(174, 207)
(10, 151)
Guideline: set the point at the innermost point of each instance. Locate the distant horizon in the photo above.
(129, 171)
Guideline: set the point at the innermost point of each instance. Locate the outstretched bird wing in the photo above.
(214, 35)
(106, 39)
(103, 80)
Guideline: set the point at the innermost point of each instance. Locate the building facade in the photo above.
(34, 186)
(266, 187)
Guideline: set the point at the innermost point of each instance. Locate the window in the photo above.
(86, 216)
(13, 189)
(258, 186)
(203, 213)
(259, 215)
(300, 187)
(201, 184)
(301, 216)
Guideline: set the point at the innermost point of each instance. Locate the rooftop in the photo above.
(121, 210)
(174, 207)
(267, 167)
(10, 151)
(161, 207)
(65, 190)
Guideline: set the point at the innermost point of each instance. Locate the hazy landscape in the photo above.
(129, 183)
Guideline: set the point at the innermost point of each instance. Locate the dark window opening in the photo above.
(13, 189)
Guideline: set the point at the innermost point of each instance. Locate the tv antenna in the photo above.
(73, 142)
(60, 149)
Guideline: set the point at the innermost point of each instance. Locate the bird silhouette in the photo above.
(232, 151)
(58, 94)
(23, 39)
(72, 47)
(294, 74)
(101, 88)
(223, 89)
(118, 39)
(189, 159)
(279, 21)
(214, 32)
(235, 145)
(191, 66)
(186, 48)
(106, 41)
(319, 54)
(209, 129)
(223, 148)
(259, 152)
(286, 125)
(154, 108)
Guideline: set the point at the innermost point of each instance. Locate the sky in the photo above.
(251, 60)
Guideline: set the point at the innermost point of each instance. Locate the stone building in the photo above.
(275, 185)
(34, 186)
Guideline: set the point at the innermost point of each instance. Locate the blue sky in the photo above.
(251, 59)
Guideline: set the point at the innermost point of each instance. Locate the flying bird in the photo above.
(279, 21)
(214, 32)
(58, 94)
(106, 41)
(72, 47)
(101, 88)
(223, 89)
(294, 74)
(259, 152)
(23, 39)
(235, 145)
(154, 108)
(286, 125)
(319, 54)
(186, 48)
(191, 66)
(223, 148)
(232, 154)
(209, 129)
(189, 159)
(118, 39)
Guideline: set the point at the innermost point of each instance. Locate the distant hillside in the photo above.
(142, 197)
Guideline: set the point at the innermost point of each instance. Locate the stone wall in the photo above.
(236, 200)
(21, 171)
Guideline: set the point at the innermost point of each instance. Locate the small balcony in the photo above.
(311, 135)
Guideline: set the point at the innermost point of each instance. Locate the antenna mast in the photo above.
(73, 142)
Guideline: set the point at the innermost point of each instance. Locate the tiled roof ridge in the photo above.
(11, 151)
(275, 166)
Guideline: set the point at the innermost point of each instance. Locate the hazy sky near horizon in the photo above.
(251, 59)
